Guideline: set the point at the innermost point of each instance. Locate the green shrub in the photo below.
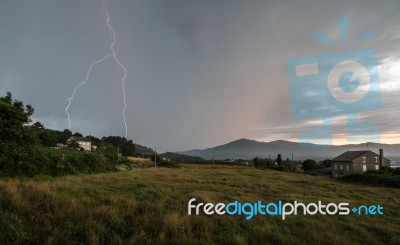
(168, 164)
(374, 178)
(310, 164)
(57, 162)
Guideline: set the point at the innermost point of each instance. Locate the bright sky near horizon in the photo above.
(199, 73)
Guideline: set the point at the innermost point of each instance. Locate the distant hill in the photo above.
(140, 149)
(248, 149)
(182, 158)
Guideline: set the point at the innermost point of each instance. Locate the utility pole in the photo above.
(155, 156)
(213, 159)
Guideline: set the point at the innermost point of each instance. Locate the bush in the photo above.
(153, 157)
(168, 164)
(53, 162)
(309, 164)
(374, 178)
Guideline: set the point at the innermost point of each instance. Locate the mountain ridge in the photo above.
(248, 149)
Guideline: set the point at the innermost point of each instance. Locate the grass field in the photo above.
(149, 206)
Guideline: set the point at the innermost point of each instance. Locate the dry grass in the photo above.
(150, 206)
(143, 162)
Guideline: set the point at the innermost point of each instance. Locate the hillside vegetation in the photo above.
(27, 148)
(147, 206)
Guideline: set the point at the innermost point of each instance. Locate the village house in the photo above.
(353, 162)
(83, 142)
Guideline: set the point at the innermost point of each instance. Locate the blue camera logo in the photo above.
(328, 85)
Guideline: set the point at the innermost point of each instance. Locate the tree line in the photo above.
(25, 147)
(289, 165)
(50, 138)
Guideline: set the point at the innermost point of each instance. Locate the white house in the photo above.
(83, 142)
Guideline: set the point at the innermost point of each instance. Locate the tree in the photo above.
(13, 117)
(309, 164)
(156, 156)
(16, 139)
(109, 151)
(62, 137)
(126, 147)
(255, 160)
(326, 163)
(48, 138)
(279, 160)
(95, 141)
(67, 133)
(77, 134)
(37, 125)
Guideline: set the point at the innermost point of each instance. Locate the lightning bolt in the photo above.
(79, 85)
(112, 55)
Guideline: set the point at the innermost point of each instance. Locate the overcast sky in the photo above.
(199, 73)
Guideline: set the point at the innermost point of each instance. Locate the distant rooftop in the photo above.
(349, 156)
(82, 139)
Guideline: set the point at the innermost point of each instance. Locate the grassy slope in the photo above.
(150, 206)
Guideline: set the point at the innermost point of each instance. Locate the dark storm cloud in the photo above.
(200, 73)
